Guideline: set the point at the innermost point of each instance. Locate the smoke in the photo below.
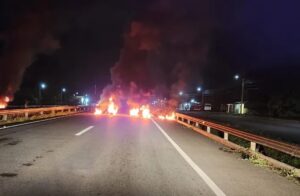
(164, 50)
(28, 34)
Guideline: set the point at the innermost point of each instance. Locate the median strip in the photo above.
(84, 130)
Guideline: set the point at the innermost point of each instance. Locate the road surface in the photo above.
(278, 129)
(89, 155)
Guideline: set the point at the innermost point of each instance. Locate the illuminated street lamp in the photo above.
(42, 86)
(63, 90)
(199, 89)
(237, 77)
(180, 93)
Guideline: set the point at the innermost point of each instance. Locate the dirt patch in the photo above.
(8, 174)
(12, 143)
(4, 139)
(27, 164)
(229, 150)
(48, 151)
(39, 157)
(245, 156)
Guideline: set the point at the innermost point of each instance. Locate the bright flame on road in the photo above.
(161, 117)
(112, 107)
(146, 112)
(143, 112)
(98, 111)
(134, 112)
(168, 117)
(4, 101)
(171, 117)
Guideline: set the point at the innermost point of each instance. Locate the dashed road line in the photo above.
(84, 130)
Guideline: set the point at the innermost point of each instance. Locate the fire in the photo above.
(4, 101)
(171, 117)
(161, 117)
(146, 112)
(98, 111)
(167, 117)
(134, 112)
(2, 105)
(112, 107)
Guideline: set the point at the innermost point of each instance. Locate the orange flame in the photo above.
(161, 117)
(146, 111)
(171, 117)
(134, 112)
(112, 107)
(4, 101)
(98, 111)
(167, 117)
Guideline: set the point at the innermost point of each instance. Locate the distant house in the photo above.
(236, 108)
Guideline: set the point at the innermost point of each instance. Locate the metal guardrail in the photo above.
(201, 125)
(15, 115)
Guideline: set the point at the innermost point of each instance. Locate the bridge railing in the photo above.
(17, 115)
(224, 133)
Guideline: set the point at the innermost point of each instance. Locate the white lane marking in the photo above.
(36, 121)
(84, 130)
(199, 171)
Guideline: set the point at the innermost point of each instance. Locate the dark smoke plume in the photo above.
(29, 33)
(164, 50)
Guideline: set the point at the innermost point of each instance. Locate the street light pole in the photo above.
(63, 90)
(40, 95)
(42, 86)
(242, 93)
(242, 96)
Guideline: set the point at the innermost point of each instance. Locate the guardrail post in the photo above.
(197, 124)
(208, 129)
(225, 136)
(253, 146)
(4, 118)
(188, 121)
(26, 115)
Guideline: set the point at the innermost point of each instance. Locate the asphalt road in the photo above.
(88, 155)
(279, 129)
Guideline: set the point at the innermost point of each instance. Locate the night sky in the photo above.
(170, 44)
